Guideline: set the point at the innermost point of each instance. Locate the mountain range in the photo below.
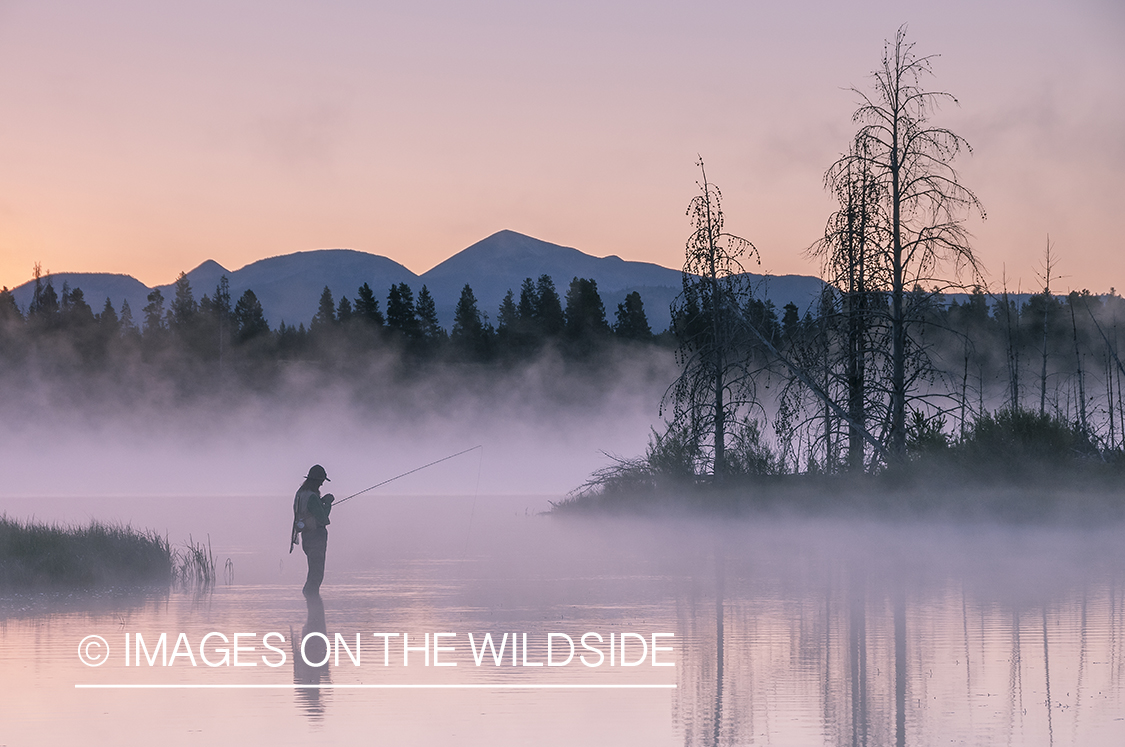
(289, 286)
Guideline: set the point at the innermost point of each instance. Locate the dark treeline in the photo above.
(1053, 358)
(192, 341)
(997, 393)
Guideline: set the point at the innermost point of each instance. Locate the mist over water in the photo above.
(787, 629)
(541, 432)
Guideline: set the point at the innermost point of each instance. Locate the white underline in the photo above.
(371, 687)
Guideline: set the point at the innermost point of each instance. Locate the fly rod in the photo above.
(411, 472)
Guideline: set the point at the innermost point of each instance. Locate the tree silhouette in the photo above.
(431, 330)
(507, 319)
(249, 318)
(401, 315)
(529, 300)
(585, 312)
(632, 324)
(470, 335)
(922, 206)
(108, 320)
(216, 320)
(325, 316)
(344, 310)
(854, 263)
(154, 313)
(182, 311)
(716, 386)
(367, 307)
(549, 317)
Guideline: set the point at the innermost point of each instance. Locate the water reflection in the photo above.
(790, 632)
(856, 656)
(865, 653)
(310, 660)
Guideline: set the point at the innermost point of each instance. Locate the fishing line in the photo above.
(476, 492)
(416, 469)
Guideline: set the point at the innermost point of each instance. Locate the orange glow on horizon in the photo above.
(149, 140)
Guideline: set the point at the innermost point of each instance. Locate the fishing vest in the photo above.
(302, 517)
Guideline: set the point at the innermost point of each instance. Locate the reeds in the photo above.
(194, 566)
(96, 556)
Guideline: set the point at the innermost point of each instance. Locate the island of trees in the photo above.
(905, 374)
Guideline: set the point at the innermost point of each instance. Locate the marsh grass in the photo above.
(193, 566)
(95, 556)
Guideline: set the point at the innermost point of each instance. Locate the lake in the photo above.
(779, 631)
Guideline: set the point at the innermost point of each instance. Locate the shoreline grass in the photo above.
(95, 556)
(1019, 492)
(1015, 466)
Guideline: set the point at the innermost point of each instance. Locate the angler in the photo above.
(310, 517)
(310, 523)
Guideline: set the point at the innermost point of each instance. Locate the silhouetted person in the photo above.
(310, 520)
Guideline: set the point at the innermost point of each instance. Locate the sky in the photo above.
(145, 138)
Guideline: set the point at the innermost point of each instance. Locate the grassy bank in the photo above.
(95, 556)
(1010, 465)
(1091, 498)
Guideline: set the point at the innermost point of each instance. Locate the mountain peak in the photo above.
(210, 266)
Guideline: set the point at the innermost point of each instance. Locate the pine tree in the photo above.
(549, 316)
(507, 318)
(44, 304)
(108, 322)
(367, 307)
(325, 316)
(401, 315)
(249, 319)
(529, 301)
(632, 324)
(470, 335)
(428, 324)
(585, 312)
(128, 326)
(9, 310)
(154, 313)
(182, 312)
(79, 314)
(344, 310)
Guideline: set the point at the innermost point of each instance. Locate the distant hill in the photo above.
(289, 286)
(96, 288)
(500, 263)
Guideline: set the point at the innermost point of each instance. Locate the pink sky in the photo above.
(144, 137)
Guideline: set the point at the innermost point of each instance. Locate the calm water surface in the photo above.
(785, 632)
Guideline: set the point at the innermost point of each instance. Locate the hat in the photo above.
(316, 472)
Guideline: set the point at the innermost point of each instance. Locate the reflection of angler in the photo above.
(315, 650)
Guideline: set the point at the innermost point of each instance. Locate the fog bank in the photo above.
(542, 429)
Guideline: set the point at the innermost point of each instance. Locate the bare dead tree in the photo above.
(854, 263)
(717, 383)
(1048, 267)
(1013, 347)
(923, 203)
